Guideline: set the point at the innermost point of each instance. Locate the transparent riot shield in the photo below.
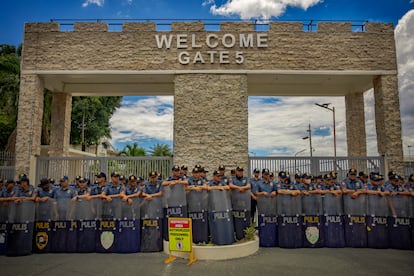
(289, 209)
(399, 221)
(267, 216)
(85, 218)
(175, 204)
(62, 227)
(333, 223)
(313, 235)
(42, 236)
(220, 217)
(4, 209)
(20, 228)
(241, 204)
(354, 220)
(151, 221)
(129, 238)
(197, 211)
(376, 219)
(108, 226)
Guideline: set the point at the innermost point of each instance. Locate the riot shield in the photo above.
(354, 220)
(4, 209)
(267, 216)
(313, 235)
(399, 221)
(42, 236)
(241, 203)
(20, 228)
(62, 225)
(129, 239)
(175, 205)
(85, 217)
(151, 221)
(197, 211)
(333, 225)
(289, 209)
(377, 225)
(108, 226)
(220, 217)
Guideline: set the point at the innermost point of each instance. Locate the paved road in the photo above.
(268, 261)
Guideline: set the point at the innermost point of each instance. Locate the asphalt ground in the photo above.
(267, 261)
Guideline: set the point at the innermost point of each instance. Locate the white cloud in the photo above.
(404, 37)
(99, 3)
(146, 118)
(258, 8)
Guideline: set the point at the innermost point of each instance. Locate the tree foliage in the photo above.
(92, 114)
(161, 150)
(133, 150)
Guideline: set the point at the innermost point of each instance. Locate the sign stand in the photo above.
(180, 238)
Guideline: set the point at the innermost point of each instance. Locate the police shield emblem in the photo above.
(42, 239)
(312, 234)
(107, 239)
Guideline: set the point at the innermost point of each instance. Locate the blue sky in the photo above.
(283, 136)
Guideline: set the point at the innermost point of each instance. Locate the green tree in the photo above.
(90, 119)
(161, 150)
(9, 91)
(133, 150)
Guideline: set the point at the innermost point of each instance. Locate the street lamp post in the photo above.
(295, 157)
(409, 150)
(310, 139)
(326, 106)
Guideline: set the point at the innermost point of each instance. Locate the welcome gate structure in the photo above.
(210, 74)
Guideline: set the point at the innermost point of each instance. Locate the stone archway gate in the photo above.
(211, 74)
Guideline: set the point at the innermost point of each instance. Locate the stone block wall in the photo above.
(60, 124)
(211, 120)
(355, 125)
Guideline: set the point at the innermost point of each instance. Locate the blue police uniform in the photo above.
(85, 191)
(355, 184)
(309, 187)
(222, 182)
(284, 186)
(392, 188)
(372, 187)
(266, 186)
(240, 182)
(152, 189)
(97, 190)
(64, 193)
(254, 182)
(195, 182)
(25, 193)
(4, 193)
(40, 192)
(131, 191)
(171, 178)
(113, 189)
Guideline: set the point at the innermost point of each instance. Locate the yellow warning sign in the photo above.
(179, 233)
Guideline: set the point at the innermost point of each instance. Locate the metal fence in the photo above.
(7, 160)
(88, 167)
(318, 165)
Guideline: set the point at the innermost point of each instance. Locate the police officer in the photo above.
(240, 182)
(298, 179)
(203, 173)
(222, 170)
(330, 186)
(8, 193)
(152, 187)
(306, 184)
(374, 186)
(98, 188)
(395, 187)
(352, 185)
(410, 184)
(254, 181)
(132, 190)
(114, 189)
(123, 180)
(44, 192)
(196, 182)
(363, 177)
(26, 191)
(64, 191)
(82, 191)
(218, 183)
(285, 186)
(266, 187)
(184, 172)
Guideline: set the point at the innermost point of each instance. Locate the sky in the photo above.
(276, 124)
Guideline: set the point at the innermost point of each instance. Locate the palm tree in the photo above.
(161, 150)
(133, 150)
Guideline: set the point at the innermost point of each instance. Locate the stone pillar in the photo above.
(29, 125)
(355, 125)
(60, 124)
(211, 120)
(388, 121)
